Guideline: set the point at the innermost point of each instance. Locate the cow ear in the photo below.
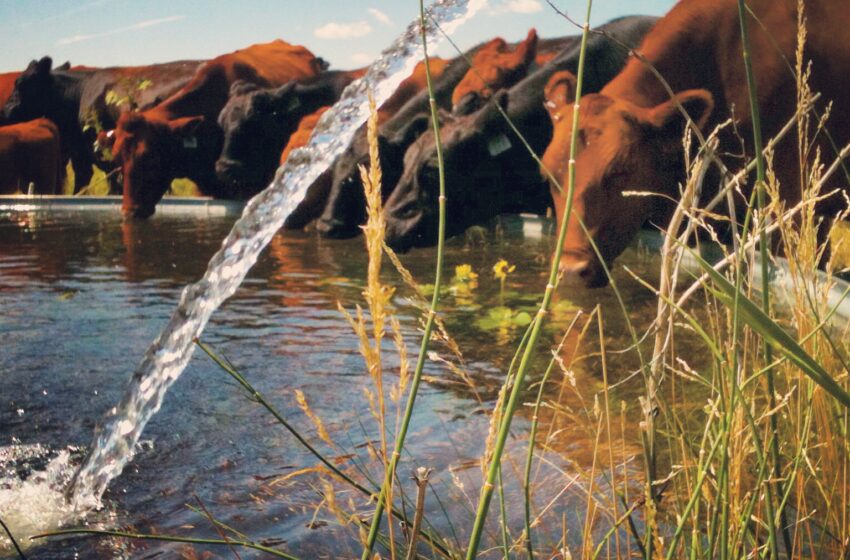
(412, 130)
(496, 45)
(526, 51)
(288, 96)
(64, 67)
(697, 103)
(131, 122)
(44, 65)
(40, 66)
(285, 90)
(186, 126)
(241, 87)
(559, 91)
(468, 104)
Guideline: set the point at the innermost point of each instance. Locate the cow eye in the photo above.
(407, 211)
(582, 137)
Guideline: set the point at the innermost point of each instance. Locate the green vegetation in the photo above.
(740, 450)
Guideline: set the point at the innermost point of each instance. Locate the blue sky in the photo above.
(346, 33)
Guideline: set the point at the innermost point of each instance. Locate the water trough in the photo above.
(195, 206)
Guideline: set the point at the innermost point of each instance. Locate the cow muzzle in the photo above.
(583, 272)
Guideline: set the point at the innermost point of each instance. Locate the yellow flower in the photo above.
(464, 275)
(501, 269)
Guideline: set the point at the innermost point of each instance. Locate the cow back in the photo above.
(30, 153)
(7, 85)
(268, 65)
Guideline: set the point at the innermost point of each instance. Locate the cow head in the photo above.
(33, 92)
(151, 153)
(494, 66)
(621, 147)
(477, 152)
(256, 123)
(345, 210)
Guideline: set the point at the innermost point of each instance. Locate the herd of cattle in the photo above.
(228, 123)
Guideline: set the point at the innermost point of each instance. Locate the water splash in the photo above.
(168, 355)
(32, 500)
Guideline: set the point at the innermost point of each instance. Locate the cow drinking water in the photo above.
(630, 133)
(488, 169)
(181, 137)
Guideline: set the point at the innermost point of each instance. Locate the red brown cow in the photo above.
(30, 153)
(495, 66)
(631, 132)
(76, 99)
(410, 87)
(181, 138)
(302, 134)
(7, 86)
(314, 202)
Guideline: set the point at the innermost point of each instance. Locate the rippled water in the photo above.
(169, 353)
(82, 296)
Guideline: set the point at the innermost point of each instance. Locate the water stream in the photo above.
(116, 436)
(166, 358)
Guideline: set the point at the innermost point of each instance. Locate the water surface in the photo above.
(81, 296)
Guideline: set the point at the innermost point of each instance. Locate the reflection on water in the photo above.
(81, 296)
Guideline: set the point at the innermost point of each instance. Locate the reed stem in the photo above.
(765, 254)
(522, 370)
(432, 312)
(260, 399)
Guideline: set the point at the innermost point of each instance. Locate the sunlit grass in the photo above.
(710, 461)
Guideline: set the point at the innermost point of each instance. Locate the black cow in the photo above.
(488, 169)
(346, 207)
(257, 122)
(75, 97)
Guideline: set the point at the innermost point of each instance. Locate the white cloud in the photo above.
(343, 30)
(362, 58)
(518, 7)
(144, 24)
(380, 16)
(76, 39)
(153, 22)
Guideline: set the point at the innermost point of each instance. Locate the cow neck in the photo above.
(526, 101)
(71, 84)
(681, 47)
(67, 113)
(323, 90)
(411, 86)
(166, 79)
(443, 88)
(204, 95)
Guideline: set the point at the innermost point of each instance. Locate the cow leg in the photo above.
(9, 172)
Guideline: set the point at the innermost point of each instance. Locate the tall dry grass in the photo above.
(713, 461)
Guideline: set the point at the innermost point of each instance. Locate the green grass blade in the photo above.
(773, 334)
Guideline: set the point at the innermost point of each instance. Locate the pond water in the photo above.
(82, 295)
